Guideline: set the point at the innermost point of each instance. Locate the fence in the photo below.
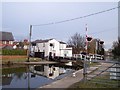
(107, 75)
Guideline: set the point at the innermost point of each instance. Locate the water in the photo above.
(32, 76)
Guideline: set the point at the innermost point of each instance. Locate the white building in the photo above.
(52, 47)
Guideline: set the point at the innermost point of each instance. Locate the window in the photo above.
(10, 42)
(65, 55)
(51, 44)
(4, 42)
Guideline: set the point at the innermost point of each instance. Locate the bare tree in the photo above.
(77, 42)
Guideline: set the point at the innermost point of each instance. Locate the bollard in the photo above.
(74, 75)
(90, 60)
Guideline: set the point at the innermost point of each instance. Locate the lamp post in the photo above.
(29, 48)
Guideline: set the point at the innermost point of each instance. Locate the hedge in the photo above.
(14, 52)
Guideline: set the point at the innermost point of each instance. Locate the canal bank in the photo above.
(10, 60)
(72, 79)
(36, 63)
(69, 80)
(21, 76)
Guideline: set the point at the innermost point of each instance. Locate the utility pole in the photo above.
(29, 49)
(88, 39)
(85, 59)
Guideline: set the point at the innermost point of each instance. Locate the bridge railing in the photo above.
(106, 75)
(88, 57)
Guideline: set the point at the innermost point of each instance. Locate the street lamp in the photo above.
(101, 42)
(89, 39)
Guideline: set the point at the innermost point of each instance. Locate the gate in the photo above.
(107, 75)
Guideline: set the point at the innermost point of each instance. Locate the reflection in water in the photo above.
(18, 75)
(6, 79)
(48, 71)
(26, 77)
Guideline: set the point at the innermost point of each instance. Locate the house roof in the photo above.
(61, 42)
(41, 41)
(46, 40)
(69, 46)
(6, 36)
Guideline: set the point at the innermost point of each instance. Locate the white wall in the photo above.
(58, 48)
(69, 52)
(62, 46)
(66, 51)
(42, 47)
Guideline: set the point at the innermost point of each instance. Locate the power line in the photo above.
(68, 20)
(99, 32)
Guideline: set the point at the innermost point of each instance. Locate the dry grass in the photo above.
(17, 58)
(8, 57)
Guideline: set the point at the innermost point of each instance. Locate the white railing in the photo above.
(90, 56)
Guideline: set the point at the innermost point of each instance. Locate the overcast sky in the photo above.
(17, 16)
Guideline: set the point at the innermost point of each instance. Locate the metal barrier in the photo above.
(107, 74)
(90, 56)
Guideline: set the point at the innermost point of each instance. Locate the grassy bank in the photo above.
(98, 82)
(13, 57)
(17, 58)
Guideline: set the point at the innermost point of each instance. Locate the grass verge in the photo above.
(12, 59)
(102, 81)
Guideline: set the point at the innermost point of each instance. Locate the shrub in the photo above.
(14, 52)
